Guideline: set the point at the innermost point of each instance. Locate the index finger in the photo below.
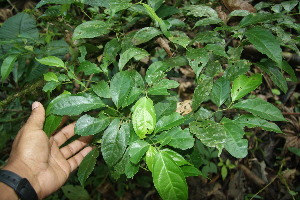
(64, 134)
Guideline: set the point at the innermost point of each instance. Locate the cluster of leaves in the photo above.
(132, 113)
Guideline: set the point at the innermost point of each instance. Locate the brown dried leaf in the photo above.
(185, 107)
(232, 5)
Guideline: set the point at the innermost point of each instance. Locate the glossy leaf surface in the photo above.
(91, 29)
(169, 121)
(87, 125)
(87, 166)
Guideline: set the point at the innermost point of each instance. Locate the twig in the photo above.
(13, 6)
(163, 44)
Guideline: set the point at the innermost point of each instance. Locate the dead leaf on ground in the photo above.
(5, 13)
(232, 5)
(184, 107)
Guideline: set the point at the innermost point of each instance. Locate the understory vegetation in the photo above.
(185, 99)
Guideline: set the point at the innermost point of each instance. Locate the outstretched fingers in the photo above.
(64, 134)
(72, 148)
(75, 161)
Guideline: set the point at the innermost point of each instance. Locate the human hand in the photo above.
(39, 159)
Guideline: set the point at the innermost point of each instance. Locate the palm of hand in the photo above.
(47, 164)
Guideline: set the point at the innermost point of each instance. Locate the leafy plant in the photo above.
(125, 97)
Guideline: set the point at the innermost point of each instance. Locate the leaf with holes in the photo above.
(243, 85)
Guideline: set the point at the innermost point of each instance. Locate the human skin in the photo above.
(40, 159)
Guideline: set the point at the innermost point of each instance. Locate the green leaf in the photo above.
(251, 121)
(224, 172)
(195, 57)
(288, 69)
(138, 86)
(120, 87)
(157, 70)
(176, 157)
(181, 139)
(51, 124)
(220, 91)
(266, 43)
(7, 66)
(289, 5)
(145, 34)
(260, 108)
(243, 85)
(236, 68)
(50, 76)
(52, 61)
(102, 89)
(50, 86)
(295, 150)
(150, 155)
(210, 133)
(74, 105)
(168, 178)
(155, 4)
(180, 38)
(111, 50)
(207, 21)
(189, 170)
(239, 13)
(87, 166)
(116, 5)
(88, 68)
(165, 108)
(235, 144)
(143, 117)
(87, 125)
(14, 27)
(137, 150)
(275, 74)
(217, 49)
(136, 53)
(201, 11)
(91, 29)
(75, 192)
(255, 18)
(203, 114)
(153, 15)
(202, 92)
(161, 87)
(169, 121)
(114, 142)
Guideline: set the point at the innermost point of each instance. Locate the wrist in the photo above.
(25, 172)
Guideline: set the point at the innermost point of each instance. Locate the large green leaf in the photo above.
(75, 192)
(52, 61)
(197, 56)
(143, 117)
(165, 108)
(102, 89)
(87, 125)
(114, 142)
(275, 74)
(260, 108)
(169, 121)
(266, 43)
(111, 50)
(44, 2)
(201, 11)
(150, 156)
(87, 166)
(120, 87)
(181, 139)
(51, 124)
(235, 144)
(168, 178)
(255, 18)
(91, 29)
(145, 34)
(236, 69)
(202, 92)
(136, 53)
(67, 104)
(251, 121)
(137, 150)
(15, 27)
(161, 87)
(88, 68)
(243, 85)
(7, 66)
(176, 157)
(210, 133)
(220, 91)
(153, 15)
(157, 70)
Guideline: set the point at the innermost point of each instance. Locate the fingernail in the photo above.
(35, 105)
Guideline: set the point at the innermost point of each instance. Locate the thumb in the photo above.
(37, 117)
